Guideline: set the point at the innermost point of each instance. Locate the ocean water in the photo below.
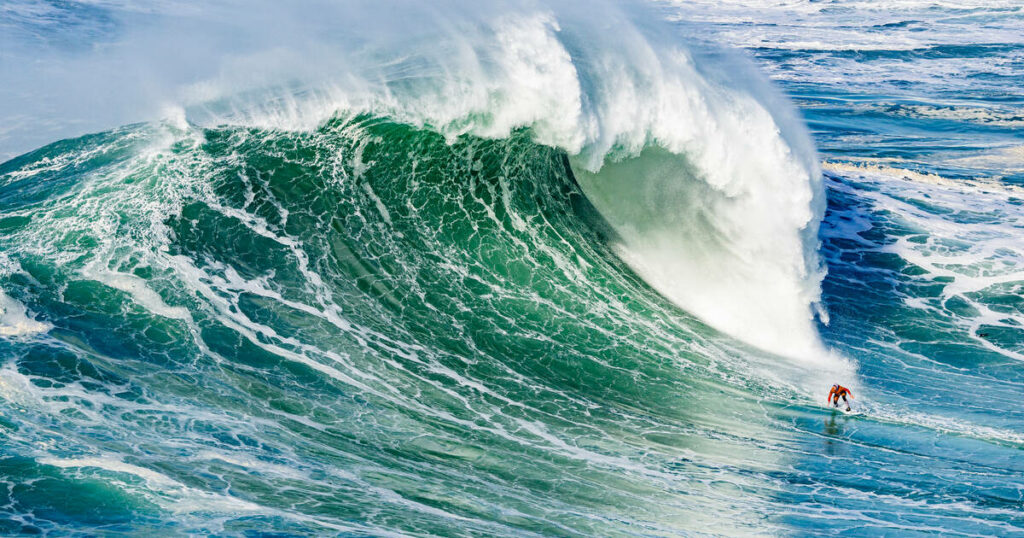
(385, 269)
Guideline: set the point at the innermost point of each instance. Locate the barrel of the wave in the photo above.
(718, 207)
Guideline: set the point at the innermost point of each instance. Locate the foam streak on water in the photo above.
(511, 269)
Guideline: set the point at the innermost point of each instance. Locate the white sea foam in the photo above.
(712, 188)
(975, 256)
(114, 464)
(1004, 160)
(973, 114)
(136, 287)
(14, 387)
(734, 202)
(174, 495)
(894, 47)
(700, 166)
(15, 320)
(881, 168)
(943, 424)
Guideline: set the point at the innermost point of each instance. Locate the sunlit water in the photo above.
(535, 278)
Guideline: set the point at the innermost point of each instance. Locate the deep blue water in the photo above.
(511, 270)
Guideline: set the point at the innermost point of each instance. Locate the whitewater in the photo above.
(523, 268)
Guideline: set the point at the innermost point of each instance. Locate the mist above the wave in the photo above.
(87, 66)
(724, 223)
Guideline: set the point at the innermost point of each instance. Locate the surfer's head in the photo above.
(835, 387)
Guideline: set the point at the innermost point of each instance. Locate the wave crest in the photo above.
(700, 166)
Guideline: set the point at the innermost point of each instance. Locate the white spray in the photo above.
(699, 166)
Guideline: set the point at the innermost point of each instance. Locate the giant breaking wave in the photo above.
(711, 185)
(379, 274)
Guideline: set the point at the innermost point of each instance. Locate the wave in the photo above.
(718, 194)
(366, 284)
(403, 269)
(438, 245)
(977, 261)
(709, 182)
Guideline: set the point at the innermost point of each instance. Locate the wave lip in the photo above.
(697, 163)
(709, 180)
(717, 186)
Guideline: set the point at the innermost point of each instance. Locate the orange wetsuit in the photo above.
(838, 391)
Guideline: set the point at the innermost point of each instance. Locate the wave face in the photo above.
(734, 239)
(385, 325)
(389, 269)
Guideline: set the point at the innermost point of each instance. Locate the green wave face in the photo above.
(361, 328)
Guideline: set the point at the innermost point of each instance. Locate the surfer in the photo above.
(837, 392)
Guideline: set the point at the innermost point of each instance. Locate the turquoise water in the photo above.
(488, 271)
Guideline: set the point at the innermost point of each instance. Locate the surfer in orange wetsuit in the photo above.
(837, 392)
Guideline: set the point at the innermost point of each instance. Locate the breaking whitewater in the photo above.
(510, 270)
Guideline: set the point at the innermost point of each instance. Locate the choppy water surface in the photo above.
(519, 270)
